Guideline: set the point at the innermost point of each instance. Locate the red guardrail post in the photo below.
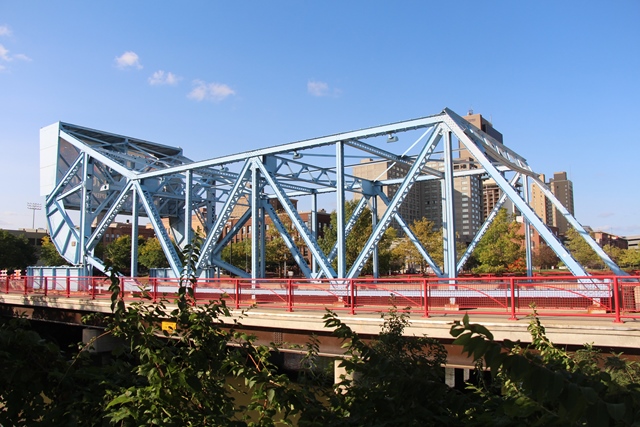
(352, 300)
(121, 283)
(7, 282)
(45, 287)
(616, 299)
(289, 295)
(236, 283)
(154, 287)
(512, 285)
(25, 286)
(425, 287)
(68, 285)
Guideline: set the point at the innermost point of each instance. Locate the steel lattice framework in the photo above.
(90, 177)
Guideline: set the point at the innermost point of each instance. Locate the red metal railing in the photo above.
(614, 297)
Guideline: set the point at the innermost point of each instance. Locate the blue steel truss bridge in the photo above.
(91, 177)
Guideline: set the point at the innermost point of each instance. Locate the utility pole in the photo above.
(34, 207)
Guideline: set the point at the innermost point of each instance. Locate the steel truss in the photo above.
(91, 177)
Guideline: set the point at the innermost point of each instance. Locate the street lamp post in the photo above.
(34, 207)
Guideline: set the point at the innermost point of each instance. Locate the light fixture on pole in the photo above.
(392, 138)
(34, 207)
(296, 155)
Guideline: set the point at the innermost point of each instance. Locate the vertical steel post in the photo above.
(374, 222)
(449, 227)
(255, 222)
(512, 286)
(188, 196)
(616, 299)
(236, 283)
(85, 210)
(314, 230)
(352, 299)
(340, 222)
(425, 287)
(527, 227)
(134, 232)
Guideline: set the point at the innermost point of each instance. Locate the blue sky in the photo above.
(559, 79)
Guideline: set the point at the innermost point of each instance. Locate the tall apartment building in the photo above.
(562, 188)
(413, 206)
(540, 204)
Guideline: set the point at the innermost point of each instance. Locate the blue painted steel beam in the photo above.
(545, 233)
(395, 203)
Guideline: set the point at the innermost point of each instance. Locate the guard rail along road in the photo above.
(614, 297)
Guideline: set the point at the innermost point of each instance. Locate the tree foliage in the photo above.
(191, 375)
(542, 385)
(151, 254)
(581, 251)
(500, 247)
(431, 241)
(49, 255)
(630, 258)
(357, 238)
(118, 253)
(278, 256)
(544, 257)
(15, 252)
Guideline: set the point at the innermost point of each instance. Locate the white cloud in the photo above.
(162, 78)
(4, 53)
(317, 88)
(22, 57)
(127, 60)
(210, 91)
(4, 30)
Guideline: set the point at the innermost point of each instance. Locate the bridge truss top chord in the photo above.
(90, 177)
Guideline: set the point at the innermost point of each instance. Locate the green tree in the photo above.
(15, 252)
(542, 385)
(544, 257)
(49, 255)
(581, 251)
(501, 246)
(277, 254)
(238, 254)
(614, 252)
(118, 253)
(357, 239)
(151, 254)
(630, 258)
(390, 381)
(431, 240)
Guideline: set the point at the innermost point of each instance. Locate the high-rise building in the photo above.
(562, 189)
(412, 207)
(540, 204)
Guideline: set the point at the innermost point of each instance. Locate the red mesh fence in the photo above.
(617, 297)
